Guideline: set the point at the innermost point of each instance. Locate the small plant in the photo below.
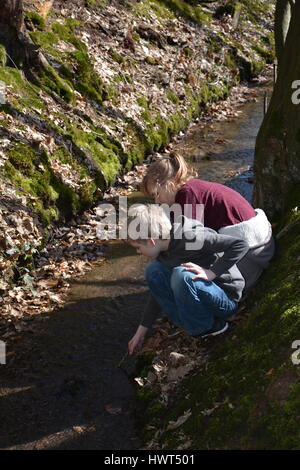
(117, 57)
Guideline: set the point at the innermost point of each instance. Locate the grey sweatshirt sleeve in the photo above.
(234, 249)
(151, 312)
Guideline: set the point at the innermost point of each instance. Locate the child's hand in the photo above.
(205, 274)
(137, 340)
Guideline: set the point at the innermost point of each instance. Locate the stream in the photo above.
(63, 389)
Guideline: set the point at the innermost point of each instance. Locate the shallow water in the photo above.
(228, 162)
(63, 389)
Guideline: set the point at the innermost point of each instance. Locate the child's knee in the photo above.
(180, 277)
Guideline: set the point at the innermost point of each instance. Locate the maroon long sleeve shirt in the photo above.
(222, 205)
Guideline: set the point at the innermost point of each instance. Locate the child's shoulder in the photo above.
(190, 228)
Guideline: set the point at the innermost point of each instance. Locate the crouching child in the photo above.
(192, 276)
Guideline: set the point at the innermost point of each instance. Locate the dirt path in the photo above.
(62, 388)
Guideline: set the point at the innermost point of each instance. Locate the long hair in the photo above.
(165, 170)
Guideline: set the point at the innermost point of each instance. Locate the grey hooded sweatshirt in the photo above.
(191, 242)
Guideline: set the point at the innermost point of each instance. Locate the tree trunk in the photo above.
(282, 24)
(277, 155)
(11, 14)
(19, 49)
(12, 29)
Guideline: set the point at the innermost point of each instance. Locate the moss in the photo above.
(104, 153)
(151, 409)
(117, 57)
(145, 8)
(159, 130)
(269, 40)
(87, 81)
(254, 11)
(96, 3)
(171, 95)
(218, 93)
(30, 171)
(46, 40)
(151, 61)
(135, 36)
(291, 205)
(3, 56)
(23, 159)
(188, 52)
(52, 82)
(26, 95)
(144, 361)
(188, 11)
(47, 77)
(88, 187)
(122, 77)
(142, 101)
(229, 61)
(32, 18)
(79, 74)
(267, 54)
(177, 123)
(65, 30)
(168, 9)
(249, 67)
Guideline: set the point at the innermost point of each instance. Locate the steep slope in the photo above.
(122, 77)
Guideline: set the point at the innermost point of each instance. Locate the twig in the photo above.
(123, 359)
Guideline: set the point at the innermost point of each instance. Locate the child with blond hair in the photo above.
(192, 276)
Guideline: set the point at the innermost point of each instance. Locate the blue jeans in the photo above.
(189, 304)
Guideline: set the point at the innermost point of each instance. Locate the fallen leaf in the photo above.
(182, 419)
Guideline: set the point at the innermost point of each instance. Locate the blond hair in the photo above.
(148, 221)
(165, 170)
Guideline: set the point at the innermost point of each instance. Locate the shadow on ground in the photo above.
(61, 387)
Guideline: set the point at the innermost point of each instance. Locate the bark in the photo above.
(283, 14)
(277, 155)
(11, 29)
(11, 14)
(20, 51)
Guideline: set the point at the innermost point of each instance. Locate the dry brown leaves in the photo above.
(42, 286)
(176, 355)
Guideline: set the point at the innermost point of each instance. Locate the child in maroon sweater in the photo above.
(170, 180)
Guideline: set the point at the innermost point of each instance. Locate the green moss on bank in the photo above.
(247, 396)
(30, 171)
(79, 73)
(188, 9)
(96, 3)
(26, 95)
(34, 20)
(168, 9)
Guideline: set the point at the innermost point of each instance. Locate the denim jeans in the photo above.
(189, 304)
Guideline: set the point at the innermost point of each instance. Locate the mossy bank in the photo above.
(247, 395)
(105, 105)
